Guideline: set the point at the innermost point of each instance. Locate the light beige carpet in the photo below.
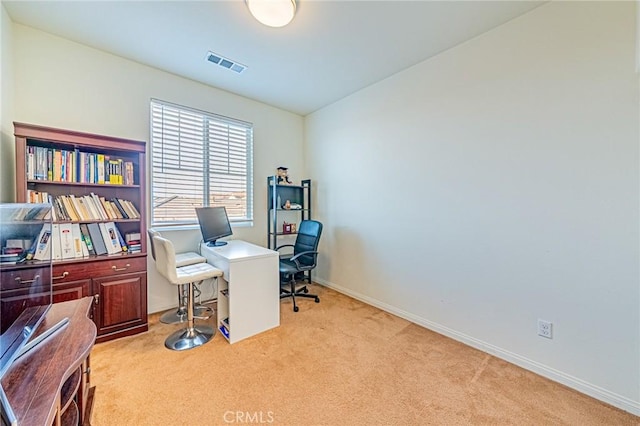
(339, 362)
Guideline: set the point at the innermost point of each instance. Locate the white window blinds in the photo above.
(199, 159)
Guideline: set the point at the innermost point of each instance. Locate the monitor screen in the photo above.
(214, 224)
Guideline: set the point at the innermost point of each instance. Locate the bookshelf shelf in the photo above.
(97, 185)
(88, 179)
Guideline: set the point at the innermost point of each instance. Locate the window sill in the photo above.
(196, 227)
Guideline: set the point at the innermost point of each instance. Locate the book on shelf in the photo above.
(14, 251)
(87, 201)
(86, 238)
(128, 173)
(43, 247)
(114, 171)
(107, 208)
(116, 211)
(96, 238)
(71, 240)
(99, 207)
(132, 236)
(131, 209)
(86, 209)
(56, 248)
(34, 196)
(78, 249)
(133, 241)
(66, 240)
(69, 208)
(100, 168)
(79, 208)
(62, 165)
(11, 258)
(120, 208)
(17, 243)
(124, 247)
(110, 237)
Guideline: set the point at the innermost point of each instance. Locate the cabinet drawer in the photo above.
(76, 271)
(25, 278)
(71, 291)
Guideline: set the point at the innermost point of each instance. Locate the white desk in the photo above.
(249, 291)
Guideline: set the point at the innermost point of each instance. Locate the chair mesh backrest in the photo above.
(307, 240)
(153, 233)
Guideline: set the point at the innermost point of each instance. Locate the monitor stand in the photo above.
(216, 243)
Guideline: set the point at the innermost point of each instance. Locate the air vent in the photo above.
(225, 62)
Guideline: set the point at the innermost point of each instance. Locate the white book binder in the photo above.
(110, 237)
(66, 241)
(43, 246)
(56, 249)
(77, 240)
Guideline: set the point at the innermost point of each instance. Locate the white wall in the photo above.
(7, 151)
(63, 84)
(495, 184)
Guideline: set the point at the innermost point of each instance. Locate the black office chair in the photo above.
(304, 259)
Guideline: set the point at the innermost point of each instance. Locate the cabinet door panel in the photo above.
(122, 301)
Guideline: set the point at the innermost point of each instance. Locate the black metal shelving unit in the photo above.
(277, 214)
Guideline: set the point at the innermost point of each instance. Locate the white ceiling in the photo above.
(330, 50)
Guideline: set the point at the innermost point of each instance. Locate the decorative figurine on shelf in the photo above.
(287, 205)
(283, 176)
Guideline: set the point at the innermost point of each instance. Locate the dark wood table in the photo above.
(50, 383)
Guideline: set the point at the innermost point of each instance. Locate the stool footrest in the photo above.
(203, 313)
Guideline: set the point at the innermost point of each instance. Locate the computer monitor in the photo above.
(214, 224)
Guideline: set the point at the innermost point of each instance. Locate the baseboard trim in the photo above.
(580, 385)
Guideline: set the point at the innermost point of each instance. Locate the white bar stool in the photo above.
(191, 336)
(182, 259)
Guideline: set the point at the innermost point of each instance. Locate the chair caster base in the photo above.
(296, 309)
(189, 338)
(317, 299)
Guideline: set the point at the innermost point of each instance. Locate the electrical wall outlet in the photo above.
(544, 329)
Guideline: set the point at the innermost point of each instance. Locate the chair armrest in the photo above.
(285, 245)
(303, 253)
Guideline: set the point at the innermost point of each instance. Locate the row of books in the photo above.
(60, 165)
(78, 240)
(14, 250)
(31, 213)
(85, 207)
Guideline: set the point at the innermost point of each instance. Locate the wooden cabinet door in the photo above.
(121, 303)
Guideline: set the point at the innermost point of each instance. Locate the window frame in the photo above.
(219, 121)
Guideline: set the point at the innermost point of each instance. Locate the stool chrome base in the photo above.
(179, 315)
(189, 338)
(174, 316)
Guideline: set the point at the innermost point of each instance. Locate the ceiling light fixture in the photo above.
(273, 13)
